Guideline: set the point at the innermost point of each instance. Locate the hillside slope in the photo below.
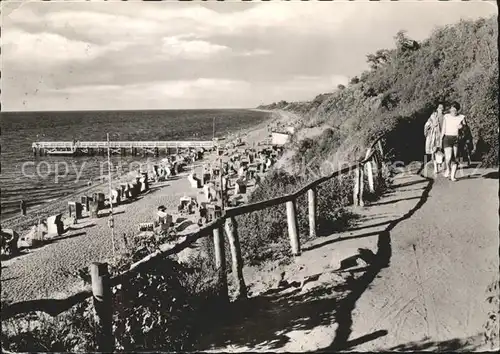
(404, 84)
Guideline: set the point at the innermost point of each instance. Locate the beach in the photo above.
(46, 272)
(43, 180)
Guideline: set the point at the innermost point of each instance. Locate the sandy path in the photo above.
(443, 259)
(43, 272)
(381, 300)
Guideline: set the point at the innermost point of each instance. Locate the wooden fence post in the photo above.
(369, 170)
(379, 144)
(292, 227)
(311, 197)
(355, 191)
(236, 259)
(220, 263)
(101, 291)
(361, 184)
(369, 174)
(378, 163)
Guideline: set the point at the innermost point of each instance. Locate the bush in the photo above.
(492, 327)
(72, 330)
(163, 308)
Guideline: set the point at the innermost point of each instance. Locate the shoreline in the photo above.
(46, 272)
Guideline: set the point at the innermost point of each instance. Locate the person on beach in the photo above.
(452, 123)
(432, 132)
(22, 206)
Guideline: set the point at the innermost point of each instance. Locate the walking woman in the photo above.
(432, 132)
(452, 123)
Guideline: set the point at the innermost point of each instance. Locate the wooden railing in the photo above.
(102, 282)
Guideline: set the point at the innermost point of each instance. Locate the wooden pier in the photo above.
(91, 148)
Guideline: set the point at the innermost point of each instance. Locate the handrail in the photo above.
(166, 250)
(232, 212)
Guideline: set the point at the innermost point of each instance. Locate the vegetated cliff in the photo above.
(397, 95)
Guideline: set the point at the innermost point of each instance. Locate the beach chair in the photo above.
(240, 186)
(226, 182)
(146, 226)
(216, 172)
(134, 189)
(206, 177)
(115, 196)
(55, 226)
(144, 185)
(123, 195)
(101, 198)
(144, 180)
(164, 220)
(85, 203)
(94, 209)
(10, 239)
(195, 182)
(187, 205)
(75, 210)
(214, 212)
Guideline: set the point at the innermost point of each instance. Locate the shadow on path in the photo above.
(491, 175)
(452, 345)
(358, 287)
(393, 201)
(270, 320)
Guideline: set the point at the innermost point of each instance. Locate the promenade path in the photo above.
(413, 276)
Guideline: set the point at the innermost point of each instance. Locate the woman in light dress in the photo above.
(432, 132)
(452, 123)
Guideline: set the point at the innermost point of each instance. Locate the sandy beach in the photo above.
(45, 272)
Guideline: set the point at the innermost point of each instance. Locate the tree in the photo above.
(354, 80)
(381, 57)
(340, 86)
(405, 43)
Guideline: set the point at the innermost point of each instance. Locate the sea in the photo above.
(39, 180)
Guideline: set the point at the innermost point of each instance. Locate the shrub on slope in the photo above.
(404, 84)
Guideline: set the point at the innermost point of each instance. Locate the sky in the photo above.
(192, 55)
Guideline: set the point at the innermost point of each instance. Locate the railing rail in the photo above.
(374, 154)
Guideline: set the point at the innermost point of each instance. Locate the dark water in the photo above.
(43, 179)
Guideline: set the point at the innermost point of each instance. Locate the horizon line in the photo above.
(125, 110)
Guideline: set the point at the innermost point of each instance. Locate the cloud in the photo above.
(20, 45)
(110, 55)
(192, 89)
(177, 48)
(254, 52)
(196, 93)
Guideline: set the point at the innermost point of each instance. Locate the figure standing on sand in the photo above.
(433, 138)
(22, 206)
(452, 123)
